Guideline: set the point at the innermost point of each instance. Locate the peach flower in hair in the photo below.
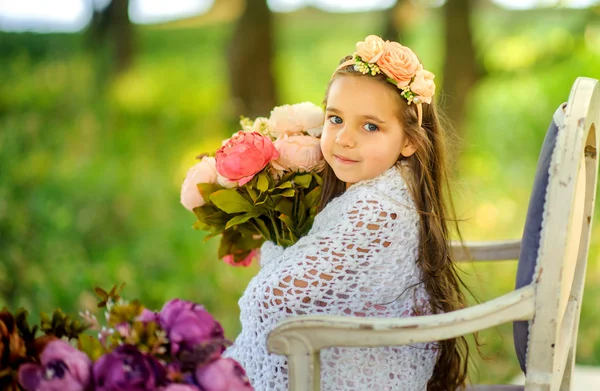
(423, 85)
(398, 62)
(371, 49)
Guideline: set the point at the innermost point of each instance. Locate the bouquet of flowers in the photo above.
(264, 183)
(176, 349)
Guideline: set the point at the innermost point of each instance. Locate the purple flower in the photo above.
(180, 387)
(63, 368)
(224, 374)
(127, 369)
(189, 325)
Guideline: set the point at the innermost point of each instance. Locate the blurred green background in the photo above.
(98, 127)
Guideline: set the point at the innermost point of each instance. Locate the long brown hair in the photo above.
(429, 186)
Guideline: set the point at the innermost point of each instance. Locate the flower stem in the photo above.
(274, 228)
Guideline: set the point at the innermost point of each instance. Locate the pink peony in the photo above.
(246, 262)
(223, 374)
(371, 49)
(423, 85)
(62, 368)
(295, 119)
(244, 155)
(299, 153)
(202, 172)
(398, 62)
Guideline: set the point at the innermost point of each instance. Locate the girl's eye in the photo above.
(369, 127)
(334, 119)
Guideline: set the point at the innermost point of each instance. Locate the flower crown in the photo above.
(401, 66)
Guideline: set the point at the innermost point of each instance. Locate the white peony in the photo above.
(262, 126)
(226, 183)
(294, 119)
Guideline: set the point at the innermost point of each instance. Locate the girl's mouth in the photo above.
(344, 160)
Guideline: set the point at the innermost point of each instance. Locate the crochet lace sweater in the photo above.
(359, 259)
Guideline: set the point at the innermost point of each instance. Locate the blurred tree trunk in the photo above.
(111, 31)
(250, 60)
(394, 28)
(461, 69)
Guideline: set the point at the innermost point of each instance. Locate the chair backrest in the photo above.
(555, 242)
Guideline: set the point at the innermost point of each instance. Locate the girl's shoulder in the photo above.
(389, 187)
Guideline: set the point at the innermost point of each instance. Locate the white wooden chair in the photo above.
(552, 262)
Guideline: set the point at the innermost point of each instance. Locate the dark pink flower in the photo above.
(224, 374)
(230, 259)
(62, 368)
(180, 387)
(127, 369)
(189, 325)
(244, 155)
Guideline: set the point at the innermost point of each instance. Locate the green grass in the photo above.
(90, 168)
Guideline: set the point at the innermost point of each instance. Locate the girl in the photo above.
(379, 247)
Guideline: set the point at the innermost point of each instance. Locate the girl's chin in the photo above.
(345, 176)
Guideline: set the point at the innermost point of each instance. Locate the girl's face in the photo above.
(362, 136)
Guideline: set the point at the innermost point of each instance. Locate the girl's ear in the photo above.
(408, 149)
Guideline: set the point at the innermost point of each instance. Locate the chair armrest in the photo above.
(486, 251)
(318, 332)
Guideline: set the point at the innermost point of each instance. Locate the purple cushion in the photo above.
(530, 241)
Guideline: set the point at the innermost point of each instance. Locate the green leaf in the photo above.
(289, 193)
(319, 178)
(241, 219)
(231, 201)
(262, 227)
(203, 212)
(301, 211)
(262, 198)
(313, 197)
(287, 242)
(201, 226)
(303, 180)
(285, 206)
(225, 244)
(285, 185)
(252, 193)
(286, 177)
(304, 228)
(206, 189)
(90, 346)
(287, 220)
(263, 183)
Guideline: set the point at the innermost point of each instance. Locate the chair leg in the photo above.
(565, 385)
(567, 379)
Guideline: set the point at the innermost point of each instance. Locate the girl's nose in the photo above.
(345, 138)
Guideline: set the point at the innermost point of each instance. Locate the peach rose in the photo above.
(398, 62)
(423, 85)
(229, 259)
(202, 172)
(294, 119)
(244, 155)
(298, 153)
(371, 49)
